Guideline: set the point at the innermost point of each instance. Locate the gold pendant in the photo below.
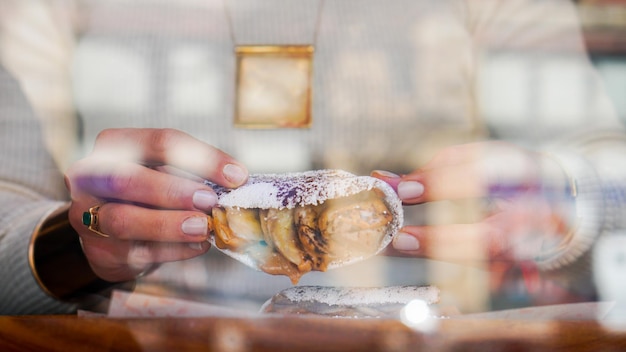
(273, 88)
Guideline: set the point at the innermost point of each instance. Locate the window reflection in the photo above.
(395, 83)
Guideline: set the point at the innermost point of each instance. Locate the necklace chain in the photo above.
(231, 27)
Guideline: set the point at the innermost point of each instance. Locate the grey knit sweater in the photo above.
(30, 186)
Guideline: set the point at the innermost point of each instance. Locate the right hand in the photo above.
(153, 203)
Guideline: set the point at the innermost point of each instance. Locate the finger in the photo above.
(141, 253)
(170, 170)
(458, 242)
(130, 222)
(118, 260)
(458, 181)
(130, 182)
(410, 191)
(453, 173)
(392, 179)
(171, 147)
(459, 154)
(473, 170)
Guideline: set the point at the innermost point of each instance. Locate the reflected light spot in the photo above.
(418, 316)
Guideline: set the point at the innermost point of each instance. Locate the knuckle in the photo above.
(106, 135)
(72, 170)
(173, 192)
(161, 138)
(79, 169)
(117, 183)
(115, 223)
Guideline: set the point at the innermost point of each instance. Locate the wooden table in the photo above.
(70, 333)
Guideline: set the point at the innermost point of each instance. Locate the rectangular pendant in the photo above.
(273, 87)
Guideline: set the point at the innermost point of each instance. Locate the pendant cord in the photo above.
(318, 21)
(231, 27)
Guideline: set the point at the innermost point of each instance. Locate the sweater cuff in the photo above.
(58, 264)
(586, 193)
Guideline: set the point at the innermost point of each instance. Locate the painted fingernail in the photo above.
(196, 226)
(196, 245)
(385, 173)
(405, 242)
(204, 199)
(235, 174)
(410, 189)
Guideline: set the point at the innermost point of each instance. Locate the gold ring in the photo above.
(90, 219)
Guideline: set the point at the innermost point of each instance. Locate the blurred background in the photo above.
(604, 27)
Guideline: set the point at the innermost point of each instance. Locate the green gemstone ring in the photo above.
(91, 220)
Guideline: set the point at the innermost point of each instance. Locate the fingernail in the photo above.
(235, 174)
(410, 189)
(385, 173)
(196, 245)
(405, 242)
(204, 199)
(196, 226)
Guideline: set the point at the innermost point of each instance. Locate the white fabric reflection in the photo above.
(609, 266)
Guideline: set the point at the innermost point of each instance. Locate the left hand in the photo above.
(527, 205)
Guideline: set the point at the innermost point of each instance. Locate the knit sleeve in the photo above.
(31, 186)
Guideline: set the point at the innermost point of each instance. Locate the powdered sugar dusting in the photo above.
(277, 191)
(361, 296)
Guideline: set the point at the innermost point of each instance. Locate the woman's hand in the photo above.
(152, 201)
(525, 207)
